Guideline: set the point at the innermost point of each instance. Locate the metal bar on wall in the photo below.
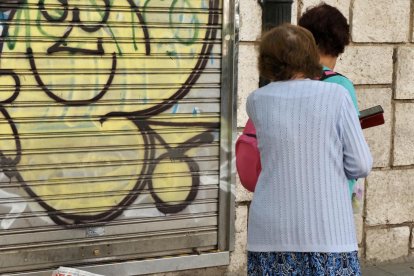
(228, 127)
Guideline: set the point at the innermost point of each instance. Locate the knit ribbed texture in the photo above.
(310, 143)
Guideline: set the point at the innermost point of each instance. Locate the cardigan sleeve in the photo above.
(357, 157)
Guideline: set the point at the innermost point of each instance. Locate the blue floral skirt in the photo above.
(303, 264)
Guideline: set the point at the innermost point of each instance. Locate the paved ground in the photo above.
(405, 269)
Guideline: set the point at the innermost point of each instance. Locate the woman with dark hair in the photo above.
(330, 29)
(310, 142)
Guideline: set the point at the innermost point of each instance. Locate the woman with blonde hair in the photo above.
(310, 142)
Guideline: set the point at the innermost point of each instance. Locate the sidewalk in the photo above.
(404, 269)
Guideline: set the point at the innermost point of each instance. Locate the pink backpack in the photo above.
(248, 157)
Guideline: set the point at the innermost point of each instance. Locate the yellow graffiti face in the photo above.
(84, 75)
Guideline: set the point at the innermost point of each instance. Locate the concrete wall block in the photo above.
(367, 64)
(404, 134)
(390, 197)
(359, 225)
(405, 78)
(342, 5)
(380, 21)
(241, 219)
(412, 238)
(238, 258)
(242, 195)
(380, 148)
(250, 20)
(412, 35)
(248, 79)
(387, 244)
(294, 18)
(361, 252)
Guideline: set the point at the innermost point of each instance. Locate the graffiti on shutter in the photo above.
(108, 109)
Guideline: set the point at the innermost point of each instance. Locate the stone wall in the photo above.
(380, 62)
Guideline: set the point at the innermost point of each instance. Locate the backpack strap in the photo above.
(326, 74)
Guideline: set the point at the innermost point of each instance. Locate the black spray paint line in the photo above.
(7, 164)
(17, 85)
(90, 29)
(50, 18)
(143, 127)
(179, 156)
(191, 80)
(58, 99)
(78, 220)
(144, 26)
(59, 46)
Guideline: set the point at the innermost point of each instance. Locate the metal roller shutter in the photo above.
(110, 115)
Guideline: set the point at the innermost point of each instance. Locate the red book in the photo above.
(371, 117)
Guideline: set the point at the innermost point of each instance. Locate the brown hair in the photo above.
(329, 28)
(287, 50)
